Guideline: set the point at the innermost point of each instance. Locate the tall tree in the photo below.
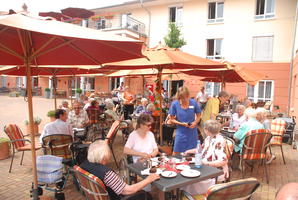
(174, 39)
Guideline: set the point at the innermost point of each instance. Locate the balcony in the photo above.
(119, 24)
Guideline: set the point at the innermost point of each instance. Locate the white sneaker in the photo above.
(273, 157)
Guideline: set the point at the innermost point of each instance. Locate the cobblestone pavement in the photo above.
(16, 185)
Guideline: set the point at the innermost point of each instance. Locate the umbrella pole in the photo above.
(160, 105)
(30, 108)
(55, 97)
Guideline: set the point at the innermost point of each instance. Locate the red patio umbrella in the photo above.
(230, 74)
(57, 15)
(161, 58)
(77, 12)
(30, 41)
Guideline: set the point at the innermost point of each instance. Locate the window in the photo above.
(214, 48)
(262, 48)
(115, 83)
(176, 15)
(215, 12)
(19, 81)
(212, 89)
(101, 24)
(265, 9)
(263, 91)
(89, 83)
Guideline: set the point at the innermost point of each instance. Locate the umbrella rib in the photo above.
(21, 41)
(83, 52)
(10, 51)
(43, 46)
(4, 29)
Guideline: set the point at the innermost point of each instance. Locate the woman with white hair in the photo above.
(99, 154)
(251, 124)
(141, 108)
(238, 118)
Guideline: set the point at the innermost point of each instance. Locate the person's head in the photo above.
(94, 103)
(65, 104)
(261, 114)
(250, 113)
(240, 109)
(99, 152)
(76, 107)
(144, 101)
(90, 100)
(287, 192)
(247, 103)
(61, 114)
(212, 127)
(150, 107)
(224, 97)
(202, 89)
(144, 122)
(182, 93)
(109, 106)
(122, 84)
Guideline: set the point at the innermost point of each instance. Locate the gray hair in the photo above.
(150, 107)
(98, 151)
(109, 105)
(64, 102)
(212, 126)
(239, 106)
(144, 99)
(223, 94)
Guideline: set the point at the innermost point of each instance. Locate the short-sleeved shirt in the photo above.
(75, 120)
(56, 127)
(139, 144)
(212, 107)
(186, 138)
(238, 121)
(251, 124)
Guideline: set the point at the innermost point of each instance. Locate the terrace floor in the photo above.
(17, 185)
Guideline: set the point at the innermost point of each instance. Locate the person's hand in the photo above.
(145, 155)
(153, 177)
(190, 151)
(192, 125)
(184, 124)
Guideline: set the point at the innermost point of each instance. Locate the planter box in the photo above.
(4, 150)
(14, 94)
(47, 94)
(35, 129)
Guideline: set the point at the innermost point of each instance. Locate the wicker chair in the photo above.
(278, 129)
(18, 142)
(239, 189)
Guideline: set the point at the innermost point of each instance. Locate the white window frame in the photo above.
(255, 98)
(214, 56)
(268, 15)
(216, 19)
(178, 22)
(254, 57)
(212, 92)
(99, 24)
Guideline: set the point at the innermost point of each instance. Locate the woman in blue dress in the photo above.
(186, 114)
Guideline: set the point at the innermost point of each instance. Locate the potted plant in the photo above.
(51, 115)
(78, 92)
(4, 148)
(36, 122)
(47, 92)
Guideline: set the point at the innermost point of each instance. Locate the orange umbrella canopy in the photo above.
(165, 58)
(50, 42)
(230, 74)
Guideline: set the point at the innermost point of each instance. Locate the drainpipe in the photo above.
(291, 64)
(149, 22)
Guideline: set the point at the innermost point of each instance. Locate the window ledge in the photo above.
(215, 23)
(264, 19)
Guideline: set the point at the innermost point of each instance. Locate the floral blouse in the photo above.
(214, 149)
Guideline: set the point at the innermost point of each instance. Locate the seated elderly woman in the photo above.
(213, 154)
(251, 124)
(141, 143)
(238, 118)
(99, 155)
(141, 108)
(150, 109)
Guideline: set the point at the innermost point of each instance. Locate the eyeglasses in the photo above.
(149, 124)
(76, 108)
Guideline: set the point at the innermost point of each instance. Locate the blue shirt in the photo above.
(186, 138)
(251, 124)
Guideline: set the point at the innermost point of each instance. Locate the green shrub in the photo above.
(47, 89)
(36, 120)
(51, 113)
(79, 91)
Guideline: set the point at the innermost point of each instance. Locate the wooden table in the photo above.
(169, 184)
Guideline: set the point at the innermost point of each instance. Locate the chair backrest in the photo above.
(239, 189)
(14, 133)
(230, 143)
(278, 128)
(255, 144)
(92, 186)
(112, 132)
(58, 145)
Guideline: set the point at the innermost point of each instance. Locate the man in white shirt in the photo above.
(78, 117)
(202, 98)
(59, 126)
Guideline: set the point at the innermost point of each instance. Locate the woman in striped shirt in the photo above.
(99, 155)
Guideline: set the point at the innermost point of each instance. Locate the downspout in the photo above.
(291, 64)
(149, 22)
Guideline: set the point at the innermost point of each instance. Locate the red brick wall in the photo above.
(62, 84)
(294, 97)
(43, 82)
(101, 84)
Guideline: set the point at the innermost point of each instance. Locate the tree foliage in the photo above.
(174, 39)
